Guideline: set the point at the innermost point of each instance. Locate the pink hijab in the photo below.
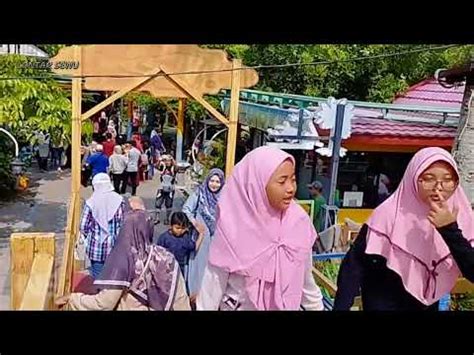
(269, 247)
(400, 232)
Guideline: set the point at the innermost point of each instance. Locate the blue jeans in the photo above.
(96, 268)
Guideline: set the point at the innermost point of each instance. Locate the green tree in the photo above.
(378, 79)
(31, 100)
(51, 49)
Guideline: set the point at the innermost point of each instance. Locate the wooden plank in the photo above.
(46, 244)
(135, 85)
(233, 117)
(325, 282)
(106, 63)
(21, 259)
(36, 296)
(179, 84)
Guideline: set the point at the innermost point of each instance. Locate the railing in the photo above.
(301, 101)
(32, 271)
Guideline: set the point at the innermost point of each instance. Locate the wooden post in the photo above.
(76, 142)
(233, 117)
(72, 228)
(180, 129)
(21, 258)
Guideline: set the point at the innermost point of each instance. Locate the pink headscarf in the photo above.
(269, 247)
(400, 232)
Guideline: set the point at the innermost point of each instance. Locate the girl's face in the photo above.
(281, 188)
(214, 183)
(438, 178)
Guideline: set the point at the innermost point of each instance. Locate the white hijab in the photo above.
(104, 202)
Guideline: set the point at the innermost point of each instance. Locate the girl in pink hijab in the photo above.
(260, 257)
(413, 248)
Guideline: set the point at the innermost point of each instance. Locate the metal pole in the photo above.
(335, 152)
(300, 123)
(17, 150)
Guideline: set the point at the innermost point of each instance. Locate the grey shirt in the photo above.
(133, 159)
(117, 163)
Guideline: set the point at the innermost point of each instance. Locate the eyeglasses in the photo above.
(430, 184)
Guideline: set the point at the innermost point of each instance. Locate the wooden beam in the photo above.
(180, 129)
(325, 282)
(25, 247)
(21, 258)
(38, 292)
(170, 109)
(134, 86)
(179, 84)
(233, 117)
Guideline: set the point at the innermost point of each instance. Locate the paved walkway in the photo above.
(44, 209)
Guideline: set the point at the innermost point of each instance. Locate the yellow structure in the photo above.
(164, 71)
(358, 215)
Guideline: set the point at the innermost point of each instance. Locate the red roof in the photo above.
(383, 127)
(430, 93)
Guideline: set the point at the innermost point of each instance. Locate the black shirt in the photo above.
(381, 288)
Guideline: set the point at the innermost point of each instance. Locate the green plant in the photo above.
(462, 302)
(217, 157)
(31, 100)
(6, 156)
(330, 269)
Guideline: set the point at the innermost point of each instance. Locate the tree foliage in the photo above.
(28, 104)
(378, 79)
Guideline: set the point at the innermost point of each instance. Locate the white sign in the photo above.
(326, 119)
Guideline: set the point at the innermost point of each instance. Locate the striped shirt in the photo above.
(93, 233)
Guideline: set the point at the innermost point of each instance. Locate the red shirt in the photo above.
(109, 147)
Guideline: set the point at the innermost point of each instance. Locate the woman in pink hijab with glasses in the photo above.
(416, 244)
(260, 257)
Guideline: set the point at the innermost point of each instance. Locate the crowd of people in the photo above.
(127, 162)
(245, 244)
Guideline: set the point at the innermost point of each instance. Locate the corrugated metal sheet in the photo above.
(430, 93)
(383, 127)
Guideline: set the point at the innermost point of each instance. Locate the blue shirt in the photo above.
(180, 247)
(99, 163)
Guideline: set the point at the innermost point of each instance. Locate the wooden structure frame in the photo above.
(85, 55)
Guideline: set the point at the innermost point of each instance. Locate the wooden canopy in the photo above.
(180, 71)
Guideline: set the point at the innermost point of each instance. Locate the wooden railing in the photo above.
(32, 271)
(331, 287)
